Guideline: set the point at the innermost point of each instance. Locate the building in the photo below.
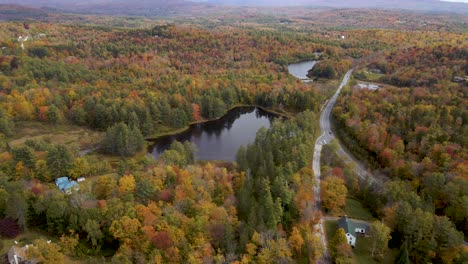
(66, 186)
(459, 79)
(18, 255)
(352, 229)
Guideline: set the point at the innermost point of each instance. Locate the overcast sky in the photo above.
(291, 2)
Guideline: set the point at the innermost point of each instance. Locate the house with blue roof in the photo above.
(66, 186)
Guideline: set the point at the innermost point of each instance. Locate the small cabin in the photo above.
(66, 186)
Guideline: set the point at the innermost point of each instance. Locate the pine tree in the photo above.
(53, 114)
(403, 256)
(122, 140)
(59, 160)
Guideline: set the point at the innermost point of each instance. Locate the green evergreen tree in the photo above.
(6, 124)
(122, 140)
(24, 154)
(403, 256)
(53, 114)
(59, 160)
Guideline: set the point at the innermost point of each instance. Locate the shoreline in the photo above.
(180, 130)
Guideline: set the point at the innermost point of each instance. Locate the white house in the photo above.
(18, 255)
(352, 229)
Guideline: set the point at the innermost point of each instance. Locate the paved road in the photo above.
(325, 138)
(328, 135)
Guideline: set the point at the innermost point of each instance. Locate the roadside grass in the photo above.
(373, 76)
(355, 209)
(369, 76)
(330, 228)
(82, 138)
(326, 87)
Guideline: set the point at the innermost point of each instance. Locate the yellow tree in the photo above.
(79, 168)
(45, 252)
(340, 250)
(104, 187)
(126, 229)
(69, 243)
(296, 241)
(333, 194)
(379, 236)
(127, 184)
(20, 170)
(315, 248)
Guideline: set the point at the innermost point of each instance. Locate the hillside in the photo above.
(415, 5)
(186, 7)
(10, 12)
(85, 93)
(139, 7)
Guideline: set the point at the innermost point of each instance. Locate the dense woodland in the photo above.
(415, 135)
(132, 84)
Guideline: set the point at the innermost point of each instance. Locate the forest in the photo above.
(133, 84)
(414, 133)
(124, 85)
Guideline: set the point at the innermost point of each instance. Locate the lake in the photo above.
(219, 139)
(300, 69)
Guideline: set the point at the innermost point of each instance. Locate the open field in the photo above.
(70, 135)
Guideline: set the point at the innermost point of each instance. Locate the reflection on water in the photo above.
(220, 139)
(300, 69)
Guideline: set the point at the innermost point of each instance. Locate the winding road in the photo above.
(326, 137)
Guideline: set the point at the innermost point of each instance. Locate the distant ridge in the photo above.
(186, 7)
(117, 7)
(10, 12)
(414, 5)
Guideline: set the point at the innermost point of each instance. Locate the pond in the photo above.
(220, 139)
(300, 69)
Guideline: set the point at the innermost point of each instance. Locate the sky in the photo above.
(293, 2)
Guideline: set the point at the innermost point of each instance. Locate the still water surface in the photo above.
(220, 139)
(300, 69)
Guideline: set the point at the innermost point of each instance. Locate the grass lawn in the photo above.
(362, 253)
(373, 76)
(355, 209)
(370, 75)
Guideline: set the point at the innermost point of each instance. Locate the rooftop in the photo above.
(350, 226)
(64, 184)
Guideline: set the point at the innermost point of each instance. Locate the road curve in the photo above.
(328, 135)
(325, 138)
